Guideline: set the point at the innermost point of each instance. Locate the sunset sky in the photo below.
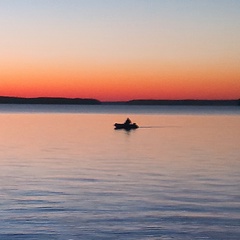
(120, 49)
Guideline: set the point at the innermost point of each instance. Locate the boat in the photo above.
(127, 125)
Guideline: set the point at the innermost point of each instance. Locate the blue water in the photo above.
(67, 174)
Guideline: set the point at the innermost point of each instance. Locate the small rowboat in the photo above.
(126, 126)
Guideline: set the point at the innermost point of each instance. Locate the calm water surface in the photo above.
(66, 174)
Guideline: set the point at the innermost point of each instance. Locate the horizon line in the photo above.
(115, 101)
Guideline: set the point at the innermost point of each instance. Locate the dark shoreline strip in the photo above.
(90, 101)
(48, 100)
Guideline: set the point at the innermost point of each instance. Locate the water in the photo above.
(66, 174)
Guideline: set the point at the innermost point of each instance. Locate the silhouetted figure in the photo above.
(128, 121)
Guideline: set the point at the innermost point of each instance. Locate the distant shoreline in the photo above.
(48, 101)
(90, 101)
(186, 102)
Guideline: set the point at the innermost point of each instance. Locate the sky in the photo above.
(115, 50)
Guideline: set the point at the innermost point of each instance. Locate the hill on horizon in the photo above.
(91, 101)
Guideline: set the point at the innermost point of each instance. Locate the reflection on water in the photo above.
(71, 176)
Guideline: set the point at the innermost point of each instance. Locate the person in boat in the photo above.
(127, 122)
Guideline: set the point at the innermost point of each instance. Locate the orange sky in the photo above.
(120, 51)
(113, 82)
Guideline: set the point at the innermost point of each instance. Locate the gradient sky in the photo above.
(120, 49)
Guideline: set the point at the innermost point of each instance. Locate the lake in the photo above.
(67, 174)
